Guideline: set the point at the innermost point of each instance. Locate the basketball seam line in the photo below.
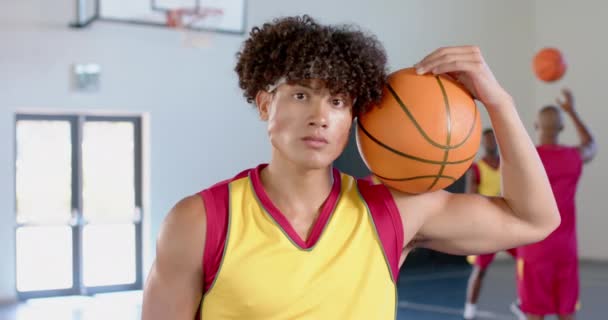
(405, 155)
(446, 102)
(422, 132)
(369, 135)
(414, 177)
(446, 147)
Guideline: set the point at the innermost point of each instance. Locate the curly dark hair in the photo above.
(348, 60)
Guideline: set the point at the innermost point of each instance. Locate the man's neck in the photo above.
(548, 139)
(491, 157)
(294, 190)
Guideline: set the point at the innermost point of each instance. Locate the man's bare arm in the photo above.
(467, 223)
(587, 146)
(173, 289)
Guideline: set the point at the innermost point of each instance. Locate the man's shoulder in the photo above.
(183, 231)
(186, 212)
(560, 151)
(189, 215)
(556, 148)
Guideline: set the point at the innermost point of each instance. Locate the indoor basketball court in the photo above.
(112, 111)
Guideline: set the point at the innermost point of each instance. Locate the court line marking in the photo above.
(481, 314)
(437, 276)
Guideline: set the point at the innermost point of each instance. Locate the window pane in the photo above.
(124, 305)
(43, 171)
(109, 254)
(44, 258)
(56, 307)
(108, 171)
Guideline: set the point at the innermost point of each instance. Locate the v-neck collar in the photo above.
(319, 225)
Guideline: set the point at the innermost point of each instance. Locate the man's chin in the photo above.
(315, 164)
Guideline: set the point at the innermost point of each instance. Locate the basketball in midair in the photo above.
(549, 65)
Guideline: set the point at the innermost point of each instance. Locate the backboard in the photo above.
(154, 12)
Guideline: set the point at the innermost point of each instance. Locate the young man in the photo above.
(295, 238)
(483, 178)
(548, 280)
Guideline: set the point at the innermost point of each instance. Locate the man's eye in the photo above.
(338, 102)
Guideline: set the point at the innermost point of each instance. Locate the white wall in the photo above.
(578, 29)
(189, 92)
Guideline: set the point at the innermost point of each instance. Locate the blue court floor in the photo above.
(438, 293)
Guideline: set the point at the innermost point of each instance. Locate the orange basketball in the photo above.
(549, 65)
(423, 135)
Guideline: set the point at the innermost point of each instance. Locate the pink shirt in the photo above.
(564, 167)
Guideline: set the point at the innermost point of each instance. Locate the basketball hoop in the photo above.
(191, 23)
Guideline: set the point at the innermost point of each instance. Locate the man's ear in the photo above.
(262, 101)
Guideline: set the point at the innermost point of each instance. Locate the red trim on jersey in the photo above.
(476, 174)
(387, 220)
(216, 201)
(368, 178)
(326, 209)
(379, 200)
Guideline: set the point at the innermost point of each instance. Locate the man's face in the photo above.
(489, 143)
(549, 121)
(307, 125)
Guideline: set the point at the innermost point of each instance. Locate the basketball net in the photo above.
(188, 22)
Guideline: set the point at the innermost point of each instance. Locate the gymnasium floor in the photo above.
(429, 292)
(439, 294)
